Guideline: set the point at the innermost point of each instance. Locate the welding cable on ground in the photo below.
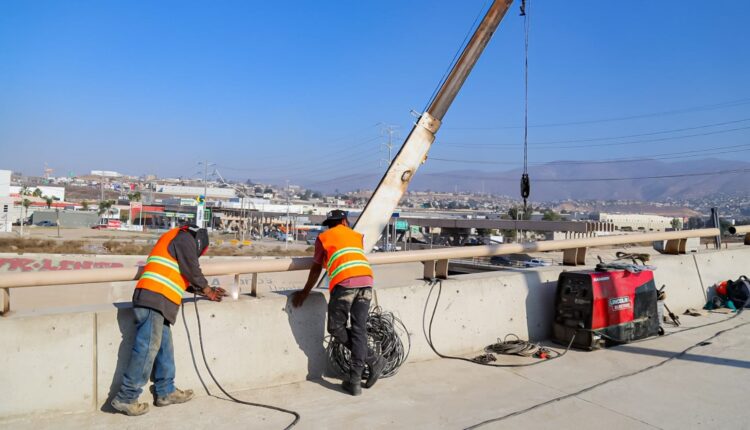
(383, 332)
(617, 378)
(205, 361)
(486, 359)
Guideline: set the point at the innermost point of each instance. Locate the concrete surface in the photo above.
(705, 388)
(262, 342)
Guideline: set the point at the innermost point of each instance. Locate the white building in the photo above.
(6, 203)
(57, 193)
(105, 173)
(181, 190)
(637, 222)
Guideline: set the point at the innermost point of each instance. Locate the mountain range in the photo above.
(579, 180)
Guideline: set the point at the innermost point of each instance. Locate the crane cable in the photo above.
(525, 182)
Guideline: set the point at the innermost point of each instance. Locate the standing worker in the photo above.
(171, 268)
(350, 284)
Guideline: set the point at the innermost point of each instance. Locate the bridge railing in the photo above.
(435, 261)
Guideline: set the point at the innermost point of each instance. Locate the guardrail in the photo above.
(435, 261)
(739, 229)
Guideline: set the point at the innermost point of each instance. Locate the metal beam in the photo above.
(413, 152)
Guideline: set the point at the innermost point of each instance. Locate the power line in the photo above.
(680, 175)
(631, 142)
(714, 106)
(663, 156)
(594, 139)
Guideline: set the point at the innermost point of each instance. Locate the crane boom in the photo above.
(413, 152)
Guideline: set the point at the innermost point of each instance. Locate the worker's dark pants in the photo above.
(152, 353)
(354, 303)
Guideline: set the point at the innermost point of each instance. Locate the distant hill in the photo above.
(545, 187)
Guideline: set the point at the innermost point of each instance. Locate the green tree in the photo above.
(676, 223)
(49, 201)
(37, 193)
(105, 206)
(135, 196)
(518, 213)
(85, 205)
(550, 215)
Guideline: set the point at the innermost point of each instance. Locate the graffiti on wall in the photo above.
(22, 264)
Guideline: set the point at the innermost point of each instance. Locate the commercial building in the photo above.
(636, 222)
(57, 193)
(181, 190)
(6, 202)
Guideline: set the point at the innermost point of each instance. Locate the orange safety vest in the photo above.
(162, 272)
(346, 258)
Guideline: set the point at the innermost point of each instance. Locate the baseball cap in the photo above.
(334, 216)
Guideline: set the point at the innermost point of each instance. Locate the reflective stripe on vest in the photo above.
(161, 274)
(346, 258)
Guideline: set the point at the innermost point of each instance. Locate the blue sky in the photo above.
(284, 90)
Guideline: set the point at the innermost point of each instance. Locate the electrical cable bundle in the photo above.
(384, 331)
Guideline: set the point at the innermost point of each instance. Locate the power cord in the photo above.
(205, 361)
(597, 385)
(486, 359)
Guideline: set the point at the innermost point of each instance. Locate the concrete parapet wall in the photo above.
(73, 362)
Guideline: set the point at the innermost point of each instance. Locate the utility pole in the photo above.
(286, 237)
(388, 130)
(201, 207)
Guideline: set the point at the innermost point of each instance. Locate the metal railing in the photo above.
(435, 261)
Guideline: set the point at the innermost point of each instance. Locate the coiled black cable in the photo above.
(205, 361)
(384, 331)
(484, 360)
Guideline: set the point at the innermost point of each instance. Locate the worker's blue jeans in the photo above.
(152, 353)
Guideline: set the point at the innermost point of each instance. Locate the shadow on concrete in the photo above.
(706, 359)
(308, 327)
(540, 300)
(126, 324)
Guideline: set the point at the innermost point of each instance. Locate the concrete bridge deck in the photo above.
(706, 387)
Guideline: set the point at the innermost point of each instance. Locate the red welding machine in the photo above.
(604, 307)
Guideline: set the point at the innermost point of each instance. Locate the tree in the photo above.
(676, 223)
(49, 201)
(317, 195)
(134, 197)
(513, 213)
(85, 205)
(695, 222)
(25, 203)
(550, 215)
(37, 193)
(105, 206)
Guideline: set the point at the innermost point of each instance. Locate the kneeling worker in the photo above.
(170, 269)
(350, 275)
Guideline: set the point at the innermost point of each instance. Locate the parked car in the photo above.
(46, 224)
(536, 262)
(311, 237)
(501, 260)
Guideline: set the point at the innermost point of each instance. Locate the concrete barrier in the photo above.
(73, 362)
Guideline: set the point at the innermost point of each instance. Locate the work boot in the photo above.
(132, 409)
(353, 385)
(175, 397)
(376, 369)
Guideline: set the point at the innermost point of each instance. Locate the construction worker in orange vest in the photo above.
(339, 251)
(171, 269)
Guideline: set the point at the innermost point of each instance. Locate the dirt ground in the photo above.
(90, 241)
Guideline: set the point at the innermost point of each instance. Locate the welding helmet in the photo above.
(200, 235)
